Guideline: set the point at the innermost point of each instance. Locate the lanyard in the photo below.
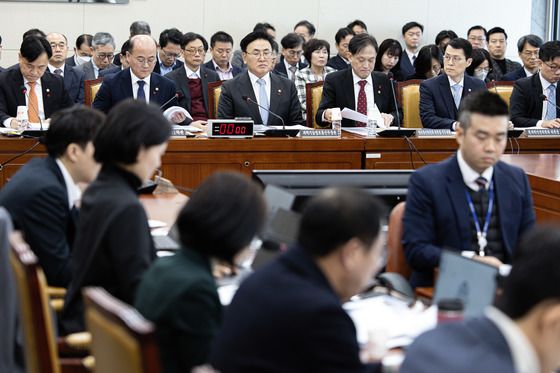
(481, 234)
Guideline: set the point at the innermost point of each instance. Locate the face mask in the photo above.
(81, 60)
(481, 75)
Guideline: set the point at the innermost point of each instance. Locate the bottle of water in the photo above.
(370, 127)
(337, 127)
(21, 118)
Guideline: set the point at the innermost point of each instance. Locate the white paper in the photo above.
(176, 109)
(262, 127)
(191, 129)
(353, 115)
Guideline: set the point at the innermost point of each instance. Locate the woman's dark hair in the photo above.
(130, 125)
(222, 216)
(313, 45)
(479, 56)
(423, 62)
(392, 47)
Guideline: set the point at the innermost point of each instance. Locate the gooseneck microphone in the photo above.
(399, 132)
(175, 96)
(249, 99)
(36, 110)
(392, 81)
(273, 132)
(544, 98)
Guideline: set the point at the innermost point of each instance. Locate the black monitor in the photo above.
(390, 186)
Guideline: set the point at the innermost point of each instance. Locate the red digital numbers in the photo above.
(232, 129)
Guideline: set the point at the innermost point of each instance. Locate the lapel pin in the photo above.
(279, 92)
(48, 92)
(469, 90)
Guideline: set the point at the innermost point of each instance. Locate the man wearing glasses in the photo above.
(257, 85)
(103, 46)
(528, 50)
(169, 49)
(477, 37)
(441, 96)
(534, 101)
(290, 62)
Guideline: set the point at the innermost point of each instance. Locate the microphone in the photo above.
(175, 96)
(544, 98)
(399, 132)
(273, 132)
(392, 81)
(36, 110)
(3, 164)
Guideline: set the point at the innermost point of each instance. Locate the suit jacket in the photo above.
(178, 64)
(106, 72)
(37, 199)
(299, 327)
(437, 214)
(437, 107)
(12, 94)
(74, 84)
(515, 75)
(188, 317)
(70, 61)
(510, 67)
(179, 77)
(338, 63)
(280, 67)
(235, 70)
(118, 87)
(475, 345)
(407, 67)
(526, 104)
(89, 72)
(283, 100)
(1, 69)
(338, 91)
(113, 246)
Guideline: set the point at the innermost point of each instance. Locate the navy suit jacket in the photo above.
(118, 87)
(437, 107)
(287, 318)
(70, 61)
(235, 70)
(514, 75)
(338, 91)
(74, 84)
(407, 67)
(12, 93)
(475, 345)
(338, 63)
(437, 215)
(110, 71)
(525, 103)
(37, 200)
(283, 100)
(178, 64)
(280, 67)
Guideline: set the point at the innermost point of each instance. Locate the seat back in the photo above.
(409, 95)
(313, 95)
(122, 340)
(503, 89)
(91, 87)
(214, 92)
(41, 353)
(396, 261)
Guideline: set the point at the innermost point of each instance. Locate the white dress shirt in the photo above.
(95, 69)
(470, 175)
(257, 87)
(223, 74)
(52, 69)
(410, 55)
(135, 86)
(74, 193)
(527, 72)
(192, 74)
(38, 93)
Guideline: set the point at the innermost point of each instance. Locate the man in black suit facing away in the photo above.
(30, 84)
(257, 84)
(42, 197)
(169, 49)
(292, 50)
(73, 78)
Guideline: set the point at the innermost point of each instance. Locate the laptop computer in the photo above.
(466, 279)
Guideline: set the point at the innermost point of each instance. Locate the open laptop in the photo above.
(469, 280)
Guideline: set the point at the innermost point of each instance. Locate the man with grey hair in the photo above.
(103, 46)
(471, 203)
(528, 49)
(140, 28)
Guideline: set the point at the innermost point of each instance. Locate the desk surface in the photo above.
(546, 166)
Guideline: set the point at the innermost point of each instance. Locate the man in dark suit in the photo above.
(122, 59)
(342, 60)
(41, 197)
(470, 202)
(82, 51)
(191, 80)
(412, 36)
(221, 47)
(528, 51)
(534, 100)
(73, 79)
(103, 46)
(138, 81)
(358, 88)
(292, 50)
(257, 84)
(168, 50)
(1, 68)
(29, 84)
(289, 313)
(497, 45)
(441, 96)
(519, 334)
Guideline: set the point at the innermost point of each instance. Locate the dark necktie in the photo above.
(481, 182)
(362, 101)
(58, 72)
(141, 95)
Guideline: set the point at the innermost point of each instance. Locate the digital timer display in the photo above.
(230, 128)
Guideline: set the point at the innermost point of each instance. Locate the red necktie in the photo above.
(362, 101)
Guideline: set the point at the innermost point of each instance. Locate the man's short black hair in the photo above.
(362, 41)
(549, 50)
(481, 102)
(0, 39)
(125, 48)
(308, 25)
(463, 44)
(34, 46)
(252, 36)
(220, 37)
(222, 216)
(444, 34)
(74, 125)
(140, 28)
(130, 125)
(263, 27)
(496, 30)
(410, 25)
(315, 44)
(84, 38)
(275, 46)
(342, 33)
(192, 36)
(532, 40)
(357, 22)
(171, 35)
(336, 216)
(534, 276)
(292, 40)
(477, 27)
(34, 32)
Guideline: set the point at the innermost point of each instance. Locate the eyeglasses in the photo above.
(195, 51)
(143, 60)
(531, 54)
(477, 38)
(256, 53)
(482, 69)
(455, 59)
(170, 54)
(553, 68)
(293, 53)
(102, 56)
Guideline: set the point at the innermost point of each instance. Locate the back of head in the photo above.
(362, 41)
(34, 46)
(549, 51)
(130, 125)
(535, 276)
(140, 28)
(34, 32)
(336, 216)
(463, 44)
(222, 216)
(484, 103)
(75, 125)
